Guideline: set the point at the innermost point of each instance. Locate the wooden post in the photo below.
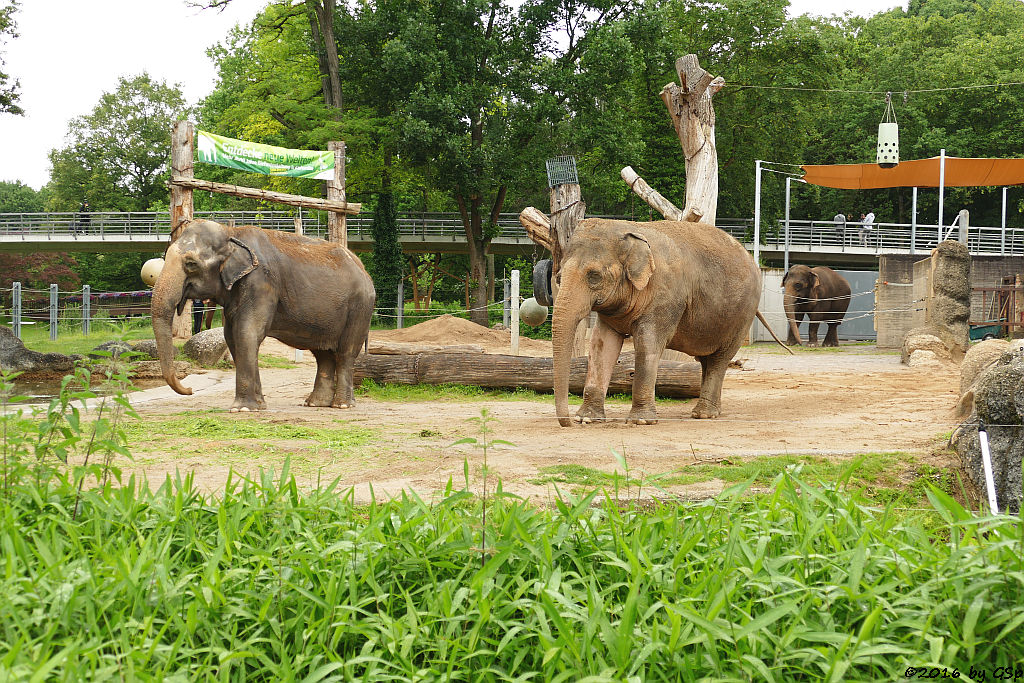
(693, 116)
(337, 229)
(182, 165)
(514, 325)
(567, 210)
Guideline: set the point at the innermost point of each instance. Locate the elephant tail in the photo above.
(768, 327)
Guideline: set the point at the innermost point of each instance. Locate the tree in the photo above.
(117, 156)
(8, 89)
(16, 197)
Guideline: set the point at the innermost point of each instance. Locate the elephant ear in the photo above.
(639, 260)
(240, 262)
(815, 286)
(784, 278)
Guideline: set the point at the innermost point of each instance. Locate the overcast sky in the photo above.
(69, 52)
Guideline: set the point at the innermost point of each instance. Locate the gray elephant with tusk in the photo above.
(308, 293)
(684, 286)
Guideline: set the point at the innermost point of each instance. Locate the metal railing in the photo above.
(889, 237)
(435, 226)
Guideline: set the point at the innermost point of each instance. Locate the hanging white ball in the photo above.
(532, 313)
(151, 271)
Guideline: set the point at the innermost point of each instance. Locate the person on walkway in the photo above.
(866, 226)
(82, 224)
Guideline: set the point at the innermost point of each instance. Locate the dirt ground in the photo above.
(829, 403)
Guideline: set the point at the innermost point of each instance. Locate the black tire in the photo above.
(988, 336)
(542, 282)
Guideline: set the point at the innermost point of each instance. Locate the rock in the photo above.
(923, 358)
(147, 347)
(15, 356)
(111, 349)
(978, 358)
(922, 339)
(207, 348)
(150, 369)
(999, 404)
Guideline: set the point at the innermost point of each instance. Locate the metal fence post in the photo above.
(53, 312)
(505, 308)
(16, 308)
(515, 313)
(401, 301)
(86, 308)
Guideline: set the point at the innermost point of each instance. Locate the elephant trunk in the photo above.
(166, 296)
(789, 304)
(573, 303)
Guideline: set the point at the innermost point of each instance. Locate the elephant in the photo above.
(823, 295)
(679, 285)
(306, 292)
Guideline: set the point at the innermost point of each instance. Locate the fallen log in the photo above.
(675, 379)
(384, 348)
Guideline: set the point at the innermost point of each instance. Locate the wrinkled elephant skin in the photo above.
(677, 285)
(821, 294)
(308, 293)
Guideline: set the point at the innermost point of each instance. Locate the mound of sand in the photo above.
(448, 329)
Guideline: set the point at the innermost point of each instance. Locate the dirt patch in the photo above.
(836, 405)
(448, 329)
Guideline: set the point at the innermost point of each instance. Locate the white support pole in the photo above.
(986, 461)
(913, 223)
(789, 185)
(298, 231)
(942, 190)
(53, 312)
(86, 308)
(1002, 226)
(515, 313)
(757, 212)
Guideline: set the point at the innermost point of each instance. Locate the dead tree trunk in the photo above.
(693, 116)
(182, 165)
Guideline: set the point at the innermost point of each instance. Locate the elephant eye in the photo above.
(593, 278)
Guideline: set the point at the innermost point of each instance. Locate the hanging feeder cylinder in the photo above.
(888, 145)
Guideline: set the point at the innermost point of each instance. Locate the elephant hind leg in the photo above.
(832, 336)
(323, 387)
(712, 375)
(344, 391)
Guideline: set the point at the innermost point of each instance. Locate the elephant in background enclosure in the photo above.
(822, 294)
(684, 286)
(308, 293)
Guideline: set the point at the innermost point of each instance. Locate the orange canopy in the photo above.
(919, 173)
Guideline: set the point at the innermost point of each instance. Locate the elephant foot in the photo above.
(587, 414)
(247, 405)
(319, 399)
(343, 405)
(642, 416)
(705, 410)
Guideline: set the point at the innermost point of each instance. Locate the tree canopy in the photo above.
(8, 86)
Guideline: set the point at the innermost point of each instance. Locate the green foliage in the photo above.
(388, 262)
(117, 157)
(263, 580)
(16, 197)
(9, 94)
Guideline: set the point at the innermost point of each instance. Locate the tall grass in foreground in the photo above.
(265, 581)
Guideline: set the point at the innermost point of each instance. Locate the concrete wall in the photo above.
(900, 297)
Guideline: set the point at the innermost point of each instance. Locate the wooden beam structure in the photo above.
(267, 195)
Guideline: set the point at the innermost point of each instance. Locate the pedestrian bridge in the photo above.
(818, 242)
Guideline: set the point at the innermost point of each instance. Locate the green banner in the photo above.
(265, 159)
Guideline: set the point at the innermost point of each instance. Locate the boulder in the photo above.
(111, 349)
(147, 347)
(207, 348)
(923, 358)
(15, 356)
(150, 369)
(998, 404)
(923, 339)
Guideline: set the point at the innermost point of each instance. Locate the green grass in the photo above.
(464, 392)
(880, 477)
(266, 582)
(70, 340)
(224, 437)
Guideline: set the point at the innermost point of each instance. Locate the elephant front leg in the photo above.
(605, 345)
(323, 385)
(248, 389)
(812, 332)
(648, 347)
